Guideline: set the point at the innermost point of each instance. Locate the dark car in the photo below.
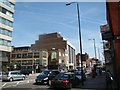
(45, 76)
(26, 71)
(64, 80)
(78, 74)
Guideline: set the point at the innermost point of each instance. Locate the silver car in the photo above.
(13, 75)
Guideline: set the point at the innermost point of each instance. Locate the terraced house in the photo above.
(6, 29)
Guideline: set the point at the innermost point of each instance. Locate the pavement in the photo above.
(97, 83)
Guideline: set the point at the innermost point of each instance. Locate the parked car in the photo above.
(13, 75)
(64, 80)
(78, 74)
(45, 76)
(53, 73)
(26, 71)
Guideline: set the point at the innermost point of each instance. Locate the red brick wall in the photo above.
(114, 12)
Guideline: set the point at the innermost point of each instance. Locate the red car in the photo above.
(64, 80)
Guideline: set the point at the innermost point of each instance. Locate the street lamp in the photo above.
(94, 47)
(79, 37)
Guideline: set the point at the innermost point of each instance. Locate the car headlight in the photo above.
(46, 78)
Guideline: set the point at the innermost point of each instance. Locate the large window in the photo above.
(5, 32)
(24, 55)
(8, 3)
(26, 62)
(5, 42)
(30, 55)
(6, 22)
(18, 55)
(5, 11)
(44, 54)
(36, 55)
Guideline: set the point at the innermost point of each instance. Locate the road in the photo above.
(27, 84)
(29, 79)
(32, 86)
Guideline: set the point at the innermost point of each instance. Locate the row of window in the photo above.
(6, 22)
(5, 32)
(5, 42)
(30, 62)
(5, 11)
(29, 55)
(26, 55)
(8, 3)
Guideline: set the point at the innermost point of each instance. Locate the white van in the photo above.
(13, 75)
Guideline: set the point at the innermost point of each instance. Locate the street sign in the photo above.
(107, 36)
(104, 28)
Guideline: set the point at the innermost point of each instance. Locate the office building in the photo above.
(25, 58)
(6, 29)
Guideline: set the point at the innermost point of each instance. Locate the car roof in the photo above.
(68, 73)
(14, 71)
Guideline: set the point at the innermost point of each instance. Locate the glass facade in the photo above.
(5, 11)
(6, 27)
(9, 4)
(5, 42)
(6, 22)
(5, 32)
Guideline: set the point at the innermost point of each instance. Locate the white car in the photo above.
(13, 75)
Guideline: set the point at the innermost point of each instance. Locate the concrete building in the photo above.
(6, 29)
(61, 53)
(25, 58)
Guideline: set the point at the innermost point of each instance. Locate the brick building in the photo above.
(111, 35)
(61, 53)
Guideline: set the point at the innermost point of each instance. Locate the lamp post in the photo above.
(94, 47)
(80, 39)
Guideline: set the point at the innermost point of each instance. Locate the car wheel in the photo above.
(23, 78)
(49, 82)
(11, 79)
(70, 86)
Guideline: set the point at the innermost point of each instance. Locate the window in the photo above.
(5, 32)
(24, 55)
(24, 62)
(36, 55)
(18, 55)
(44, 54)
(8, 3)
(6, 22)
(5, 42)
(1, 41)
(30, 55)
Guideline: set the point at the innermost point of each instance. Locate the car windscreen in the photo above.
(45, 72)
(62, 76)
(77, 73)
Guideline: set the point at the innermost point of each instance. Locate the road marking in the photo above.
(28, 81)
(4, 84)
(17, 83)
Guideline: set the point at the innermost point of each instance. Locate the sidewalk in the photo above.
(97, 83)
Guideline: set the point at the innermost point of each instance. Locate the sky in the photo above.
(34, 18)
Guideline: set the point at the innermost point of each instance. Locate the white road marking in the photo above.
(4, 84)
(17, 83)
(28, 81)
